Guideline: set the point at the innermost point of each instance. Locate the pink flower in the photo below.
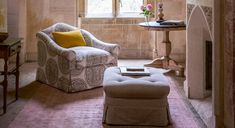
(146, 10)
(142, 7)
(149, 7)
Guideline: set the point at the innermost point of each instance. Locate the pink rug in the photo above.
(52, 108)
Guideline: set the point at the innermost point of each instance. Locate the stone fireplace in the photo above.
(198, 82)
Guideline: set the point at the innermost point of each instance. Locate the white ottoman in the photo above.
(135, 101)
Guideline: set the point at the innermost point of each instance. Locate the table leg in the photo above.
(17, 74)
(5, 84)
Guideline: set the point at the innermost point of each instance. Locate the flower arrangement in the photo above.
(147, 10)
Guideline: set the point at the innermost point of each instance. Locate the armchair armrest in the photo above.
(52, 46)
(109, 47)
(112, 48)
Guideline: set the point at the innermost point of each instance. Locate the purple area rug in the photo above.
(52, 108)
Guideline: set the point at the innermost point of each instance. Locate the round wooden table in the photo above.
(165, 61)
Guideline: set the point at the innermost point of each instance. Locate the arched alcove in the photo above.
(198, 37)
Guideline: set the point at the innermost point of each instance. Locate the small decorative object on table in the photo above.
(147, 11)
(3, 36)
(159, 12)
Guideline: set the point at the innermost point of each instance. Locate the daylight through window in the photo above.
(113, 8)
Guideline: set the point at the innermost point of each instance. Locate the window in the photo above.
(99, 8)
(113, 8)
(130, 7)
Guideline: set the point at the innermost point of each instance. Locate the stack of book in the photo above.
(173, 22)
(134, 71)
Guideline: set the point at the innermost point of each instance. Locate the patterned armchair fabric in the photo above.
(73, 69)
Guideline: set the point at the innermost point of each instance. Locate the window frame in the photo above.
(115, 11)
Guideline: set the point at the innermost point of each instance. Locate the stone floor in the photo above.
(28, 72)
(204, 109)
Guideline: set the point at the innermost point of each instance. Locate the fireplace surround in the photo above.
(197, 54)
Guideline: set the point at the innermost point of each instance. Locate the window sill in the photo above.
(110, 16)
(99, 15)
(110, 20)
(129, 15)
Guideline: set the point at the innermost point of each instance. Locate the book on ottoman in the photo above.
(134, 71)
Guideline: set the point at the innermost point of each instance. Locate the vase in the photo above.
(147, 18)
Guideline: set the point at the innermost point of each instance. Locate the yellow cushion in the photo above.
(69, 39)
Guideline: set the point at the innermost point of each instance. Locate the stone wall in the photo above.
(229, 89)
(43, 13)
(27, 17)
(233, 73)
(3, 16)
(17, 23)
(135, 42)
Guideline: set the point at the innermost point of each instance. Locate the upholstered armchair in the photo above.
(77, 68)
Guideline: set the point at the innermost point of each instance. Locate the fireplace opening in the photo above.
(208, 65)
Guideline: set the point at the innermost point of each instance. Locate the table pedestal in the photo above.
(165, 61)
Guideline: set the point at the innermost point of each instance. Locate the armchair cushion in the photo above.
(69, 39)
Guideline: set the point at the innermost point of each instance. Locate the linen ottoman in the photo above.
(138, 101)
